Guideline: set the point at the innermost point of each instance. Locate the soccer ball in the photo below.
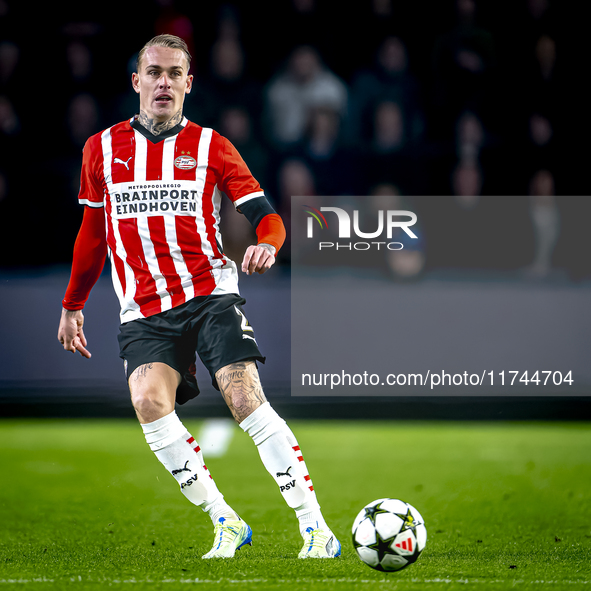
(389, 534)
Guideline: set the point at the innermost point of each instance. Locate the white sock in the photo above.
(181, 456)
(283, 459)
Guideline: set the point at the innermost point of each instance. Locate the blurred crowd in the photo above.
(461, 99)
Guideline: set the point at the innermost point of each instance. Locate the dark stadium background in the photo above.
(507, 77)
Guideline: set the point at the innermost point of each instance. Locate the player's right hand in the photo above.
(70, 333)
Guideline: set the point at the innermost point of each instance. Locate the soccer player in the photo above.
(152, 187)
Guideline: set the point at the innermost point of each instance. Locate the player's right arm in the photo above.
(90, 251)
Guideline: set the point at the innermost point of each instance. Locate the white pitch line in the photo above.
(512, 582)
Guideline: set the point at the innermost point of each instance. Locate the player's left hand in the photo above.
(258, 258)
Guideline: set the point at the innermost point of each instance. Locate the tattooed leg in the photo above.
(278, 447)
(241, 388)
(153, 391)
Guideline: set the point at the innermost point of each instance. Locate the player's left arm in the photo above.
(237, 182)
(270, 233)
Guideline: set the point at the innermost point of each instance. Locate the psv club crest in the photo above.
(185, 162)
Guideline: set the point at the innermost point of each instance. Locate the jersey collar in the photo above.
(157, 138)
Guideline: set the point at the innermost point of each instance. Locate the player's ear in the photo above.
(189, 84)
(135, 82)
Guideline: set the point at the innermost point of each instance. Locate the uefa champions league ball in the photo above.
(389, 534)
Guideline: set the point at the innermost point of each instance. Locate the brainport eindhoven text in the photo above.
(150, 200)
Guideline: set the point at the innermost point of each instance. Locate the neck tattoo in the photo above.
(156, 128)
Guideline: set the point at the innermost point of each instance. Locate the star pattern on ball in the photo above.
(381, 546)
(408, 521)
(371, 512)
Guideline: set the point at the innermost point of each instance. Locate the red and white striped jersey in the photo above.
(162, 212)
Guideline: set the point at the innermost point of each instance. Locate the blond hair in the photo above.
(170, 41)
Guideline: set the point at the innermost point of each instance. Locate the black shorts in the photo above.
(214, 326)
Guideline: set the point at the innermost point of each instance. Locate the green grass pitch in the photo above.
(84, 504)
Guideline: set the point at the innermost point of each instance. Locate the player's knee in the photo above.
(241, 388)
(150, 404)
(153, 390)
(243, 406)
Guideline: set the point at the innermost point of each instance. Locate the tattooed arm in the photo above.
(241, 388)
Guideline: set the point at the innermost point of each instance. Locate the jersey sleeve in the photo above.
(247, 196)
(91, 187)
(90, 252)
(267, 223)
(237, 181)
(271, 230)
